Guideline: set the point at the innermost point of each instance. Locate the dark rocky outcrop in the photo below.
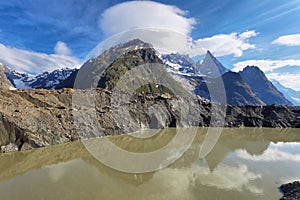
(263, 116)
(291, 191)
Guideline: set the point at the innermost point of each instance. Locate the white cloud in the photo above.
(144, 14)
(230, 178)
(288, 40)
(62, 48)
(34, 62)
(168, 29)
(248, 34)
(273, 153)
(234, 43)
(178, 182)
(266, 65)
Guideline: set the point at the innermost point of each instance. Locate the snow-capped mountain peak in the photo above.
(45, 80)
(179, 64)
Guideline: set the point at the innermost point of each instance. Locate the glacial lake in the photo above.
(245, 163)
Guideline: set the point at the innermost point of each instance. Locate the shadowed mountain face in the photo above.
(4, 82)
(237, 91)
(248, 87)
(262, 87)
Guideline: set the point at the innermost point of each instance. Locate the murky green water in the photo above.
(244, 164)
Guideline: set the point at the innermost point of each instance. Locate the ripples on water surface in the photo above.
(245, 164)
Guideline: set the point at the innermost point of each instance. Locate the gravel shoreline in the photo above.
(291, 191)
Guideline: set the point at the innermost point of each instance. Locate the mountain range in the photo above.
(247, 87)
(45, 80)
(292, 95)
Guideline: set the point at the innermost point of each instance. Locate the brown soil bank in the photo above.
(38, 118)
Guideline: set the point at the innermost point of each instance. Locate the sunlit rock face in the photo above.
(4, 82)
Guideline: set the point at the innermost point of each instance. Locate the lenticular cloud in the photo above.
(144, 14)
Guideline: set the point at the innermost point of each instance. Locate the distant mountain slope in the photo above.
(68, 82)
(182, 68)
(49, 80)
(179, 64)
(4, 82)
(211, 67)
(237, 90)
(262, 87)
(292, 95)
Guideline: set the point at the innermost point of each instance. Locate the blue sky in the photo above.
(39, 35)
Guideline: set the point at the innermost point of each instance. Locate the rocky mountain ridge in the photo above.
(248, 87)
(262, 87)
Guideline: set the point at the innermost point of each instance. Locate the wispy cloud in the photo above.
(34, 62)
(288, 40)
(273, 153)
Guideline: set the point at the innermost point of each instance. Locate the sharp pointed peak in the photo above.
(209, 53)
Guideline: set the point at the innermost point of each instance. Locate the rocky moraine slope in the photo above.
(37, 118)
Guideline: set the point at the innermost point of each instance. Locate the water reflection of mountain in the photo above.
(228, 144)
(254, 141)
